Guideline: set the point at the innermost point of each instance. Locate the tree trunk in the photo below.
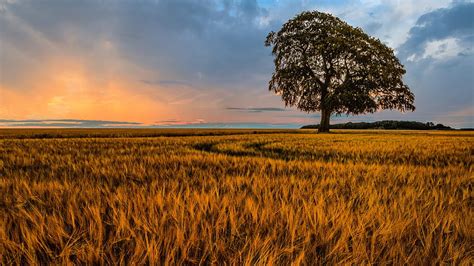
(324, 125)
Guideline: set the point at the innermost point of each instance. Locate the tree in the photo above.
(324, 64)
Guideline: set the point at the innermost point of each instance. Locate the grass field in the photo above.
(236, 197)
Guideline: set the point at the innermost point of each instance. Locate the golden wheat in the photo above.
(238, 197)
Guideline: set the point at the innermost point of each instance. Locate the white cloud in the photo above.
(439, 50)
(442, 49)
(394, 17)
(412, 58)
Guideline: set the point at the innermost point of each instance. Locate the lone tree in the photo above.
(324, 64)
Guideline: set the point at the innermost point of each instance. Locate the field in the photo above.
(236, 197)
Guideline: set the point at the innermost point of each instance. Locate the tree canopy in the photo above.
(324, 64)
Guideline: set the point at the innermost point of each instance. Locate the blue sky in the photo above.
(193, 63)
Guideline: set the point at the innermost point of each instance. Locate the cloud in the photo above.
(438, 56)
(204, 41)
(257, 109)
(389, 20)
(69, 123)
(167, 82)
(441, 33)
(249, 125)
(150, 60)
(442, 49)
(164, 58)
(177, 122)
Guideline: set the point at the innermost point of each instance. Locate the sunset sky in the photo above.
(204, 63)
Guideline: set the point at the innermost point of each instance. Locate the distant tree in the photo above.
(324, 64)
(386, 124)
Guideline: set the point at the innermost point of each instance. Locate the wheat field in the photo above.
(240, 197)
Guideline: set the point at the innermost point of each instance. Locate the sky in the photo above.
(198, 63)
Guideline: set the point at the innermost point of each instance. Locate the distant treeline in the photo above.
(386, 124)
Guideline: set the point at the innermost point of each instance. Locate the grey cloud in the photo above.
(76, 123)
(167, 82)
(456, 21)
(441, 85)
(304, 115)
(69, 123)
(199, 40)
(207, 42)
(215, 44)
(249, 125)
(168, 121)
(257, 109)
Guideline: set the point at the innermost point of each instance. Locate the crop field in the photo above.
(238, 197)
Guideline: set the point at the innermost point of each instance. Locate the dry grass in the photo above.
(276, 197)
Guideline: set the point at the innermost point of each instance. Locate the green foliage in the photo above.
(322, 63)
